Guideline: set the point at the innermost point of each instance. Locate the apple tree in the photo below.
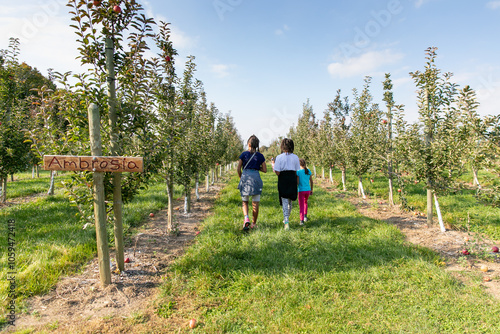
(435, 156)
(365, 134)
(340, 109)
(304, 135)
(477, 150)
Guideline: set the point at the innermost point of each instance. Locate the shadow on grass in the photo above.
(338, 239)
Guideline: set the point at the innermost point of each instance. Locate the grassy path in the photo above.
(342, 273)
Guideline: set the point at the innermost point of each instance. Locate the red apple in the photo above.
(117, 9)
(151, 214)
(416, 182)
(465, 252)
(181, 103)
(371, 180)
(167, 58)
(192, 323)
(484, 268)
(494, 249)
(399, 190)
(197, 232)
(384, 121)
(127, 260)
(97, 2)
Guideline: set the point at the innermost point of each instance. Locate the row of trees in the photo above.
(448, 138)
(147, 109)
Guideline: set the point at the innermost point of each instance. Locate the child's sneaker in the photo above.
(302, 222)
(246, 224)
(287, 227)
(305, 218)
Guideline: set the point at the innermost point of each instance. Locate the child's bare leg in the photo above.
(255, 212)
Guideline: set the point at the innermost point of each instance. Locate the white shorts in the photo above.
(255, 198)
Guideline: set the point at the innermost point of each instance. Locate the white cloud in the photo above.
(281, 31)
(493, 4)
(221, 70)
(364, 64)
(181, 40)
(420, 3)
(46, 39)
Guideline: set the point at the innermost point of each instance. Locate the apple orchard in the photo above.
(151, 111)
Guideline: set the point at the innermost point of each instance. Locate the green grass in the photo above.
(50, 242)
(342, 273)
(460, 209)
(26, 186)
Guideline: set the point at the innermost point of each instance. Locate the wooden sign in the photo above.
(92, 164)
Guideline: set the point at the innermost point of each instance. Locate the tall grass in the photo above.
(341, 273)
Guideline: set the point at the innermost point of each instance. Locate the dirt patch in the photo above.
(448, 244)
(79, 304)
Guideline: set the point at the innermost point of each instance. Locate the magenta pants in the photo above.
(303, 197)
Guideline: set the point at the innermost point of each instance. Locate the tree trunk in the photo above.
(33, 171)
(314, 168)
(197, 186)
(37, 171)
(213, 175)
(11, 177)
(438, 211)
(115, 151)
(207, 182)
(389, 162)
(187, 200)
(391, 193)
(331, 175)
(428, 140)
(323, 172)
(476, 180)
(170, 209)
(344, 185)
(3, 189)
(361, 191)
(50, 192)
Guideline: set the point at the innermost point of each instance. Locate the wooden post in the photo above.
(114, 150)
(99, 204)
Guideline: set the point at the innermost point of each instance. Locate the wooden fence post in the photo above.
(99, 204)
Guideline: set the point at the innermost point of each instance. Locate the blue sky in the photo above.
(262, 60)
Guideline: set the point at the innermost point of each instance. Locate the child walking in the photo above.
(249, 165)
(286, 167)
(305, 189)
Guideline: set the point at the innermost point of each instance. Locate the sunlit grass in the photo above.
(341, 273)
(50, 241)
(26, 186)
(460, 208)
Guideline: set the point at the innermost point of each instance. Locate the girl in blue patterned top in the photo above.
(249, 165)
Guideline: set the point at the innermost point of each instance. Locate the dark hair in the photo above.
(287, 145)
(303, 164)
(253, 141)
